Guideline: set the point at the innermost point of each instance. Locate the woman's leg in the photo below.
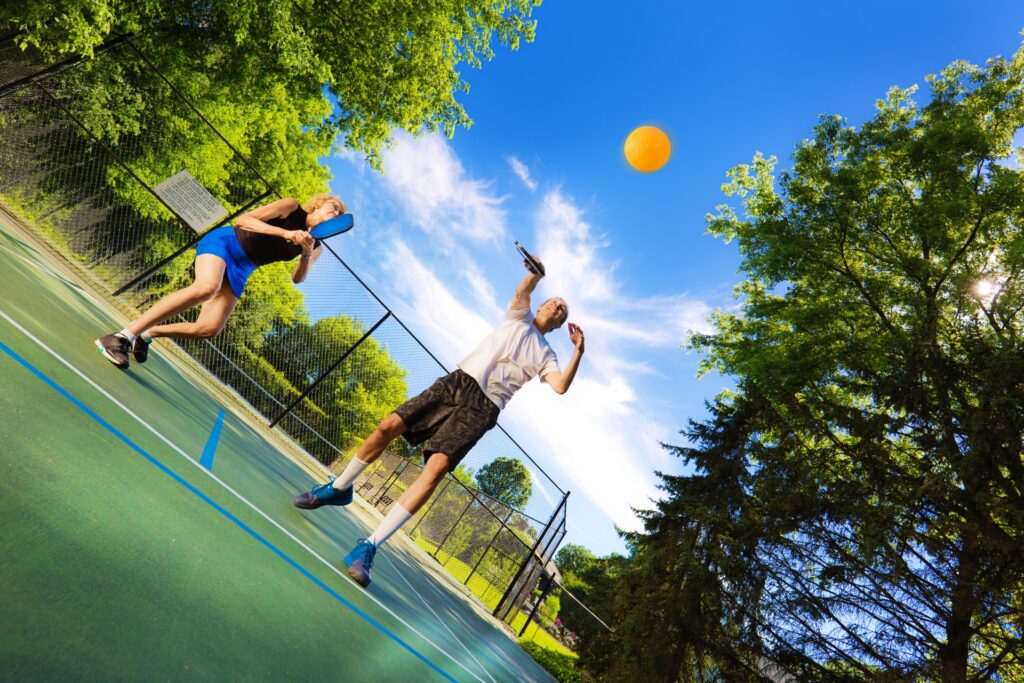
(212, 316)
(210, 271)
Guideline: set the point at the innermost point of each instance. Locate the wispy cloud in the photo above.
(522, 172)
(433, 188)
(601, 439)
(579, 272)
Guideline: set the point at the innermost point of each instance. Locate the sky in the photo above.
(543, 163)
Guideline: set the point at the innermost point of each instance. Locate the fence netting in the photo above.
(85, 144)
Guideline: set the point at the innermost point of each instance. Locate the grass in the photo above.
(490, 597)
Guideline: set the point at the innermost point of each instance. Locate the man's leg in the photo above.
(360, 560)
(338, 491)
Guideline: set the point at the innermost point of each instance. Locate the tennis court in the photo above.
(148, 529)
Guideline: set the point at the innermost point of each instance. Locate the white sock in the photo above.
(346, 478)
(126, 334)
(146, 336)
(395, 519)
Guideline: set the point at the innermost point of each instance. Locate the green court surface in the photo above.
(123, 558)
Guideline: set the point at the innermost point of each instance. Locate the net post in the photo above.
(530, 555)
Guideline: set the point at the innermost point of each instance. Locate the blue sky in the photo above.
(543, 164)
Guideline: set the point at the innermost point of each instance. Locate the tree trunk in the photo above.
(954, 653)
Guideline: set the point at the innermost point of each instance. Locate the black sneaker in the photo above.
(140, 349)
(325, 494)
(115, 349)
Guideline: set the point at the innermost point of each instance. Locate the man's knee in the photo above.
(438, 465)
(391, 426)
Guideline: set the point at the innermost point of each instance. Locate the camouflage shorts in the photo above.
(454, 412)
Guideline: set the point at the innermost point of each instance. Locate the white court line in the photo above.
(441, 621)
(510, 663)
(228, 488)
(39, 266)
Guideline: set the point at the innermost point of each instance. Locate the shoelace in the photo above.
(324, 491)
(369, 550)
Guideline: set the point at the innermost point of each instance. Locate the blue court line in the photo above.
(202, 496)
(211, 443)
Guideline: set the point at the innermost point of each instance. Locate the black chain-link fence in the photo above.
(85, 143)
(555, 614)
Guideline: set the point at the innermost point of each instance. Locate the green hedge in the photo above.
(561, 666)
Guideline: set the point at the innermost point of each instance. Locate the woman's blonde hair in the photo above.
(318, 200)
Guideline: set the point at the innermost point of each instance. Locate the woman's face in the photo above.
(325, 212)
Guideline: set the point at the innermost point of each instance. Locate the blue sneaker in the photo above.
(359, 562)
(325, 494)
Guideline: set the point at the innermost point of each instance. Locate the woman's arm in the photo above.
(253, 221)
(306, 261)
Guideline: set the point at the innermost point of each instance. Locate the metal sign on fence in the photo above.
(190, 200)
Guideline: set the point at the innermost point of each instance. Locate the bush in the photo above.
(561, 666)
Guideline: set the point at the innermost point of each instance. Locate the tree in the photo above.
(387, 65)
(464, 474)
(857, 496)
(359, 392)
(507, 480)
(574, 559)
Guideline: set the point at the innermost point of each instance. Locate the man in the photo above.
(455, 411)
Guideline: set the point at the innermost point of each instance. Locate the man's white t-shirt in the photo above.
(510, 356)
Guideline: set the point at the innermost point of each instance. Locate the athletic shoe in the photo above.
(140, 349)
(115, 349)
(359, 562)
(325, 494)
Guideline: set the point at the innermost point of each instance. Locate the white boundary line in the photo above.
(442, 622)
(39, 266)
(210, 474)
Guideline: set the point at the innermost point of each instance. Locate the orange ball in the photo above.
(647, 149)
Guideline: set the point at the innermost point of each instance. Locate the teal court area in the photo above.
(147, 528)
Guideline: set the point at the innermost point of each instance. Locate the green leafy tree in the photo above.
(387, 65)
(856, 511)
(465, 474)
(574, 559)
(359, 392)
(507, 480)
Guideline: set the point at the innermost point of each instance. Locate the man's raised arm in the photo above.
(521, 299)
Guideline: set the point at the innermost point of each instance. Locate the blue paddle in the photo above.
(333, 226)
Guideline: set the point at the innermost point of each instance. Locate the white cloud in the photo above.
(482, 288)
(596, 432)
(427, 304)
(577, 272)
(430, 183)
(601, 439)
(522, 172)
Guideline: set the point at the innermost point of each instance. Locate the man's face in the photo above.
(555, 309)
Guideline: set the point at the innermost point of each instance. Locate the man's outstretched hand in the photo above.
(576, 336)
(530, 267)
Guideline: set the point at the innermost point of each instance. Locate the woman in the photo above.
(225, 258)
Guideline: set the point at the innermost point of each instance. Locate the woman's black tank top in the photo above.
(263, 249)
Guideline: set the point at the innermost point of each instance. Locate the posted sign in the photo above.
(191, 201)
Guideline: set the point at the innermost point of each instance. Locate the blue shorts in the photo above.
(223, 243)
